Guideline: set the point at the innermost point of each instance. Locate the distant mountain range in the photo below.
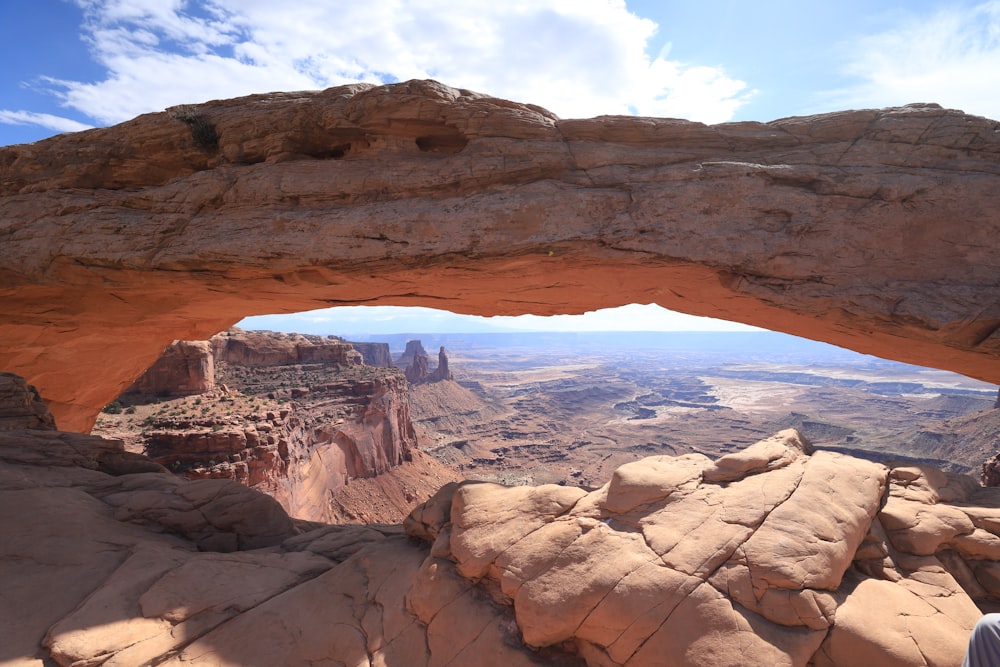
(744, 345)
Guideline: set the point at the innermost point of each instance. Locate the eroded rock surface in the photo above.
(186, 368)
(297, 417)
(21, 406)
(112, 560)
(374, 354)
(268, 348)
(874, 230)
(773, 555)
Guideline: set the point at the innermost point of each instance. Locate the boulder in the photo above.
(773, 555)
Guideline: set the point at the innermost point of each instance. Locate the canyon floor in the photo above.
(544, 408)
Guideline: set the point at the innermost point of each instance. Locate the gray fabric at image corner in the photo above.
(984, 644)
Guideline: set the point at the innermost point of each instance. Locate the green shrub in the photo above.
(114, 408)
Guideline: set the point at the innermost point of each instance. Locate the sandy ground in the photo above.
(752, 396)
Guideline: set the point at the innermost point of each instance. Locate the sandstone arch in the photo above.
(874, 230)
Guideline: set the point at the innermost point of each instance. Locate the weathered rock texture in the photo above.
(251, 348)
(874, 230)
(443, 370)
(21, 406)
(185, 368)
(374, 354)
(347, 421)
(770, 556)
(109, 559)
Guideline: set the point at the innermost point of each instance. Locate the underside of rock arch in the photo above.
(875, 230)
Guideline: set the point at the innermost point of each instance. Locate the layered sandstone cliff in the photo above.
(874, 229)
(186, 367)
(250, 348)
(414, 350)
(374, 354)
(297, 417)
(776, 555)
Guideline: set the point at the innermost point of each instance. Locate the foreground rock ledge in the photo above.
(873, 230)
(776, 555)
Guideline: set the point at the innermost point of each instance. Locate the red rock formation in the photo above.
(419, 369)
(873, 230)
(771, 556)
(20, 405)
(374, 354)
(249, 348)
(990, 475)
(414, 349)
(776, 555)
(186, 367)
(348, 421)
(442, 372)
(416, 361)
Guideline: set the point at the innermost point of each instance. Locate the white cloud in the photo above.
(48, 121)
(951, 57)
(576, 57)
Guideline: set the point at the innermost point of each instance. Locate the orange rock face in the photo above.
(186, 367)
(873, 230)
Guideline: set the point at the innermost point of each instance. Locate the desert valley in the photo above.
(570, 408)
(535, 408)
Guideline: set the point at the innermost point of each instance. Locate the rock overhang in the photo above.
(873, 230)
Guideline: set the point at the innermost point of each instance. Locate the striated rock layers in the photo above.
(186, 368)
(21, 407)
(771, 556)
(268, 348)
(874, 230)
(347, 420)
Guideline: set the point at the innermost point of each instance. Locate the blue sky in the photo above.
(73, 64)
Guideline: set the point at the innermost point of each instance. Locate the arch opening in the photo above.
(567, 399)
(451, 199)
